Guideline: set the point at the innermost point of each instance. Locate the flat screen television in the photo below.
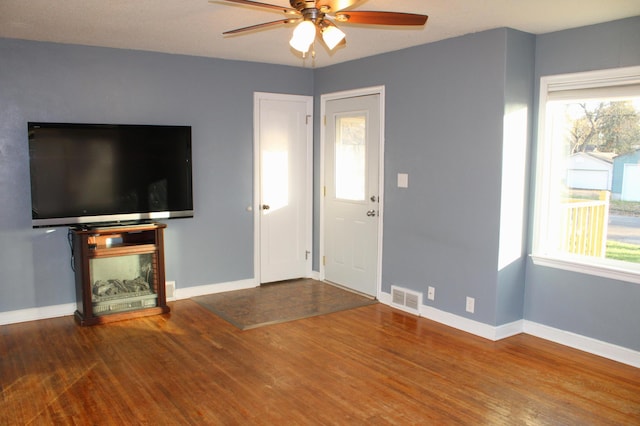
(96, 174)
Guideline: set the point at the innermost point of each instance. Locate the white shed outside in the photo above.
(631, 183)
(586, 170)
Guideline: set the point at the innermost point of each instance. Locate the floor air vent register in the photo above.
(406, 299)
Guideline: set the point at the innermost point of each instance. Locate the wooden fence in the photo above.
(584, 226)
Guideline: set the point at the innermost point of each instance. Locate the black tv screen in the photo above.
(103, 173)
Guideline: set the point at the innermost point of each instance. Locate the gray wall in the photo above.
(445, 108)
(519, 88)
(445, 104)
(443, 231)
(600, 308)
(55, 82)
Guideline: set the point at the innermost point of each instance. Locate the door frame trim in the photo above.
(374, 90)
(257, 196)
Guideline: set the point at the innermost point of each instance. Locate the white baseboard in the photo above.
(507, 330)
(384, 298)
(461, 323)
(449, 319)
(34, 314)
(576, 341)
(201, 290)
(583, 343)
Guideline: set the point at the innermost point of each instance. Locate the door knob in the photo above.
(371, 213)
(265, 207)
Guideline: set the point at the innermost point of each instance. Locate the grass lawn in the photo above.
(624, 208)
(623, 251)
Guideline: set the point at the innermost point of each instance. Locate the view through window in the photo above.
(598, 204)
(588, 203)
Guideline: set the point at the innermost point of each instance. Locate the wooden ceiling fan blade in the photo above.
(259, 4)
(381, 18)
(258, 26)
(333, 6)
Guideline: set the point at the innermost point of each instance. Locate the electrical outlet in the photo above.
(170, 290)
(471, 304)
(431, 293)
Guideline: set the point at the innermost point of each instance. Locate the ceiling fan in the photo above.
(313, 18)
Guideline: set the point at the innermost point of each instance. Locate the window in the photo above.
(587, 205)
(350, 157)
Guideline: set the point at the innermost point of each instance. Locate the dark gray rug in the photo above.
(281, 302)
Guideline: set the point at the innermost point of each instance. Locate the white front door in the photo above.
(352, 193)
(283, 139)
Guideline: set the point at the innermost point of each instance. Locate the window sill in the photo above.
(590, 267)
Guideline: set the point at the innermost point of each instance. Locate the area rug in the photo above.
(281, 302)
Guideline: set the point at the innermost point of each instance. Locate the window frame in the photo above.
(610, 83)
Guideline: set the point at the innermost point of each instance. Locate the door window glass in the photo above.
(350, 155)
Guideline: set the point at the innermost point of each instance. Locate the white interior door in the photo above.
(352, 146)
(283, 139)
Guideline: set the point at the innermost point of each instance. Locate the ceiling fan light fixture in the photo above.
(332, 36)
(303, 36)
(313, 20)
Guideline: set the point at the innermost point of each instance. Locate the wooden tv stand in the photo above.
(119, 272)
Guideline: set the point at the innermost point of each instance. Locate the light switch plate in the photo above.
(403, 180)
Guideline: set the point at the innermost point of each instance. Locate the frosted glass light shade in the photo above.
(332, 36)
(303, 36)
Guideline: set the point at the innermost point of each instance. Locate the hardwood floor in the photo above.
(371, 365)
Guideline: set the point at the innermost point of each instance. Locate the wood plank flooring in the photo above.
(370, 365)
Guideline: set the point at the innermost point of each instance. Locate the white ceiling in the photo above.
(194, 27)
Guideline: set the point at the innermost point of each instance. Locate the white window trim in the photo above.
(568, 86)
